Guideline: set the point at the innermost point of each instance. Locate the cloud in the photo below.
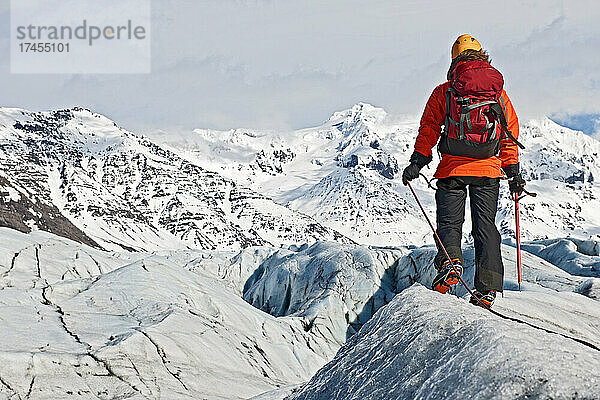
(278, 64)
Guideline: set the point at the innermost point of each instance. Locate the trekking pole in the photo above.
(516, 199)
(444, 249)
(518, 237)
(431, 225)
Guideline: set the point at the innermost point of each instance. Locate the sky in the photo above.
(289, 64)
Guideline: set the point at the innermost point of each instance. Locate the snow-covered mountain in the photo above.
(343, 173)
(77, 174)
(346, 174)
(562, 166)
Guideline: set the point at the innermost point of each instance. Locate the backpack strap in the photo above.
(491, 127)
(447, 122)
(461, 133)
(459, 124)
(499, 111)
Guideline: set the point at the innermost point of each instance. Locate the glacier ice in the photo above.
(426, 345)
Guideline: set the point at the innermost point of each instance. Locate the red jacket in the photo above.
(431, 127)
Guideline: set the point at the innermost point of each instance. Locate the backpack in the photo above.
(475, 121)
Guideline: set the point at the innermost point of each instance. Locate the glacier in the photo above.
(79, 322)
(177, 324)
(426, 346)
(279, 265)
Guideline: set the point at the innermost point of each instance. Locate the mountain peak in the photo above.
(359, 126)
(78, 126)
(360, 112)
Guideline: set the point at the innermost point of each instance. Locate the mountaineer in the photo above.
(474, 121)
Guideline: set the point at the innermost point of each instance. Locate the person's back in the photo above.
(473, 119)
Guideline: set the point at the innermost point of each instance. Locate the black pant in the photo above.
(450, 199)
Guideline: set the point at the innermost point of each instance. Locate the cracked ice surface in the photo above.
(419, 346)
(336, 288)
(551, 299)
(577, 257)
(82, 323)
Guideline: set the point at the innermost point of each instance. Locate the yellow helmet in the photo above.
(464, 42)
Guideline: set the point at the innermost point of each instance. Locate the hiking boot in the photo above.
(487, 298)
(447, 276)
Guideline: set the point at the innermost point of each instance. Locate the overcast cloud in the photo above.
(290, 64)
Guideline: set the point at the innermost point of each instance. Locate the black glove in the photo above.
(516, 184)
(511, 170)
(411, 172)
(417, 161)
(515, 179)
